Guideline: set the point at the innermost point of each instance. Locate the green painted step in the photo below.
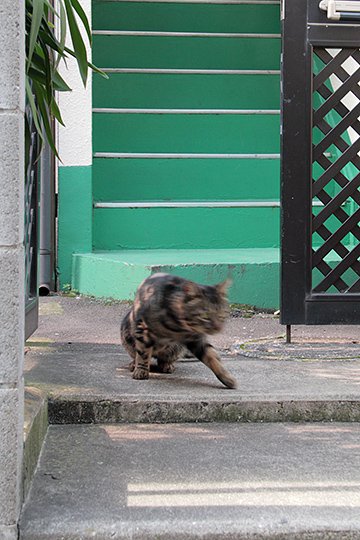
(184, 91)
(255, 272)
(178, 17)
(185, 179)
(186, 53)
(185, 228)
(186, 133)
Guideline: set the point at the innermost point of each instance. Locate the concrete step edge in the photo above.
(111, 411)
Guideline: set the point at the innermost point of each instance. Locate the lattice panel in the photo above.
(336, 171)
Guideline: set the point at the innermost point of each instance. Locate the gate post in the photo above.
(12, 105)
(320, 171)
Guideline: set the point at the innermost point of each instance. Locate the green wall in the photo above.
(74, 218)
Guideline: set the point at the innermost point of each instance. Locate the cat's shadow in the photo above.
(175, 378)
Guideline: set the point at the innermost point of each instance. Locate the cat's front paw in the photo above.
(166, 367)
(229, 381)
(140, 374)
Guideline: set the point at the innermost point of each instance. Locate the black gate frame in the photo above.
(305, 26)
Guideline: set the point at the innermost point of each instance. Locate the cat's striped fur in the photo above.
(171, 316)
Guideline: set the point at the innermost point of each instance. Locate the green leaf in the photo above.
(27, 143)
(98, 70)
(78, 44)
(36, 75)
(62, 33)
(79, 10)
(40, 95)
(47, 36)
(55, 111)
(34, 111)
(48, 73)
(59, 84)
(37, 15)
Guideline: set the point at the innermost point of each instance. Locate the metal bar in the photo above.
(340, 9)
(333, 297)
(192, 204)
(141, 155)
(194, 71)
(145, 33)
(240, 2)
(343, 312)
(333, 35)
(349, 16)
(185, 111)
(326, 25)
(288, 333)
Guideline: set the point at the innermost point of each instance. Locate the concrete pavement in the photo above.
(76, 357)
(197, 481)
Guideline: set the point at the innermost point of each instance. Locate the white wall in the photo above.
(75, 140)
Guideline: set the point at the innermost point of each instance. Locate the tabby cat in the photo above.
(171, 316)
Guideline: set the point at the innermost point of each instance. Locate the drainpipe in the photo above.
(47, 222)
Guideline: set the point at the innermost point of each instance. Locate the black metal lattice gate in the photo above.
(320, 172)
(31, 237)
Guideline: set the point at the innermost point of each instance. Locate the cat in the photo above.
(172, 316)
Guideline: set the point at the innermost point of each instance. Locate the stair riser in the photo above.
(255, 277)
(185, 179)
(186, 52)
(186, 133)
(148, 90)
(77, 412)
(179, 17)
(185, 228)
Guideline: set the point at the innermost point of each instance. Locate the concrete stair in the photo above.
(117, 274)
(196, 481)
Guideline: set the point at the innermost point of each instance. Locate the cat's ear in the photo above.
(223, 286)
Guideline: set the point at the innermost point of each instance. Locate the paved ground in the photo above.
(88, 320)
(188, 481)
(76, 357)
